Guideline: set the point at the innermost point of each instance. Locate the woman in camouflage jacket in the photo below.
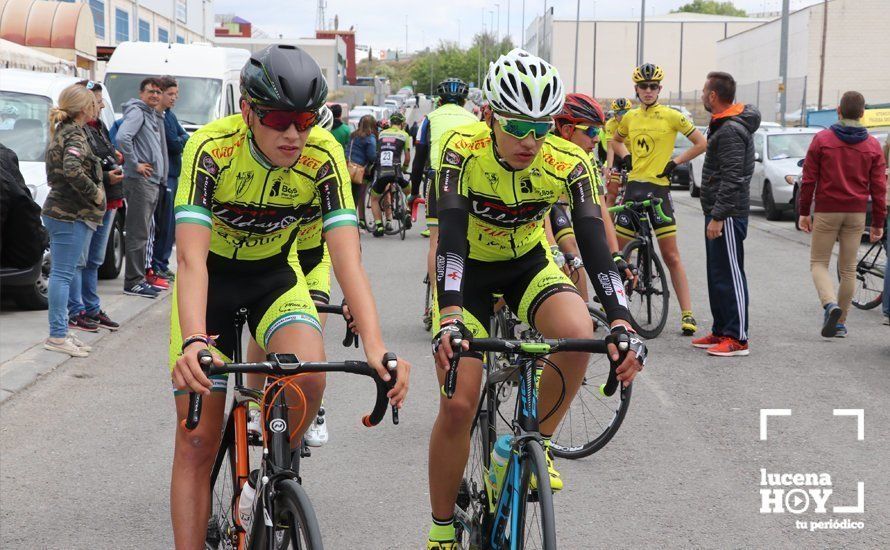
(74, 208)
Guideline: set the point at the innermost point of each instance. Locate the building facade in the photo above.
(683, 44)
(170, 21)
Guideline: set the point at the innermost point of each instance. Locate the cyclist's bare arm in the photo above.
(343, 244)
(192, 247)
(620, 148)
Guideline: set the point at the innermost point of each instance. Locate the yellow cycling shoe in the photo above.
(687, 324)
(440, 545)
(555, 477)
(425, 233)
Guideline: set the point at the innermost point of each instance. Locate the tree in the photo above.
(711, 7)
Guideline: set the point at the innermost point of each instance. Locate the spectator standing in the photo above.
(886, 305)
(361, 153)
(844, 167)
(176, 136)
(23, 236)
(84, 307)
(726, 179)
(339, 129)
(73, 209)
(139, 138)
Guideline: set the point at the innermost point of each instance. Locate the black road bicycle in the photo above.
(515, 510)
(282, 514)
(392, 202)
(869, 292)
(648, 296)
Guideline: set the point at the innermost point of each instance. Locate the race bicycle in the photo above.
(397, 216)
(648, 295)
(515, 510)
(281, 516)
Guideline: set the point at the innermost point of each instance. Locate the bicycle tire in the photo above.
(471, 509)
(222, 530)
(294, 523)
(427, 317)
(869, 290)
(594, 429)
(651, 281)
(538, 529)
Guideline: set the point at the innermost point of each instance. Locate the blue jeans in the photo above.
(84, 294)
(165, 229)
(68, 241)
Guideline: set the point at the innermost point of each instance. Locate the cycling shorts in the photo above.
(385, 178)
(315, 263)
(275, 293)
(637, 191)
(560, 223)
(525, 283)
(432, 217)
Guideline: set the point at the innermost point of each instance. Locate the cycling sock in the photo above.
(442, 530)
(686, 312)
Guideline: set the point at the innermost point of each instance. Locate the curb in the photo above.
(26, 368)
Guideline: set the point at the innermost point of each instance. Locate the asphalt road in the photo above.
(85, 453)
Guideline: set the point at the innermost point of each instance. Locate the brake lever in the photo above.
(391, 362)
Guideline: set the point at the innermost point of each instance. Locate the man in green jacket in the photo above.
(339, 129)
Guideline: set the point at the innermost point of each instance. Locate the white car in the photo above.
(777, 151)
(379, 113)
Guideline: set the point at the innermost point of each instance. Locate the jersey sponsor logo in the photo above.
(440, 267)
(226, 151)
(560, 165)
(579, 169)
(492, 179)
(472, 145)
(324, 171)
(618, 285)
(525, 185)
(535, 172)
(643, 145)
(242, 181)
(281, 188)
(446, 180)
(562, 221)
(453, 158)
(454, 271)
(495, 233)
(309, 162)
(236, 241)
(208, 164)
(606, 283)
(204, 184)
(259, 220)
(504, 215)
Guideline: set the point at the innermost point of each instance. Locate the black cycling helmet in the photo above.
(452, 90)
(397, 118)
(283, 77)
(647, 72)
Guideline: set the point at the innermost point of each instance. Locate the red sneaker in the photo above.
(156, 280)
(707, 341)
(729, 347)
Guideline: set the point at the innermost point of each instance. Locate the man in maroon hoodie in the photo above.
(844, 167)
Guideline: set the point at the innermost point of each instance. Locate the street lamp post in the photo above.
(783, 61)
(577, 38)
(498, 6)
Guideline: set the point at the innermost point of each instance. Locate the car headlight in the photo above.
(790, 179)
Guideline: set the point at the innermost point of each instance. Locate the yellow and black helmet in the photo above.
(621, 104)
(647, 72)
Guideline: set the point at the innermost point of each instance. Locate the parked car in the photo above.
(32, 94)
(392, 104)
(681, 174)
(777, 155)
(379, 113)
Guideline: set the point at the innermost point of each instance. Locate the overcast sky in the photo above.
(379, 25)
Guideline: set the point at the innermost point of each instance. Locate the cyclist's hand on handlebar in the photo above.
(187, 372)
(627, 272)
(350, 320)
(443, 343)
(397, 393)
(634, 349)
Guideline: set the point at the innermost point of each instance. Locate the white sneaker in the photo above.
(65, 346)
(77, 342)
(317, 434)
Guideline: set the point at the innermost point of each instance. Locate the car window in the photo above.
(784, 146)
(24, 124)
(758, 144)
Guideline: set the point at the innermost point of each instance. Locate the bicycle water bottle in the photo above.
(245, 503)
(500, 455)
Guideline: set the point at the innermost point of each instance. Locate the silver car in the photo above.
(777, 153)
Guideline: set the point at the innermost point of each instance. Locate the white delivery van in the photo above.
(208, 77)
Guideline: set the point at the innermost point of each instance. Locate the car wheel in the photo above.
(694, 191)
(114, 250)
(35, 297)
(773, 214)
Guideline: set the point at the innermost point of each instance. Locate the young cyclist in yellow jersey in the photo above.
(393, 156)
(580, 122)
(247, 181)
(651, 130)
(496, 184)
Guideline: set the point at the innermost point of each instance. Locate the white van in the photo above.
(208, 77)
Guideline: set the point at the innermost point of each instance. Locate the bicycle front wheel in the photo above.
(222, 529)
(869, 291)
(593, 418)
(294, 524)
(427, 318)
(649, 299)
(472, 519)
(535, 525)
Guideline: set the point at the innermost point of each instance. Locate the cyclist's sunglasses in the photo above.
(521, 127)
(591, 131)
(649, 86)
(280, 121)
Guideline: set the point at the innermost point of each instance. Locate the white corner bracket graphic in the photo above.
(860, 502)
(766, 413)
(860, 420)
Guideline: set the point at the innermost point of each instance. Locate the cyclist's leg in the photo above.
(666, 234)
(194, 451)
(377, 189)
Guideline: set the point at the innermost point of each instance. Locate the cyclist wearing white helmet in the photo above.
(496, 183)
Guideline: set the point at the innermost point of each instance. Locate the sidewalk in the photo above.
(22, 357)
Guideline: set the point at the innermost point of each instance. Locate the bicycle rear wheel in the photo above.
(536, 524)
(222, 531)
(593, 418)
(294, 524)
(648, 300)
(869, 291)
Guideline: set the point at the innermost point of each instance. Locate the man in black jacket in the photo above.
(726, 177)
(22, 236)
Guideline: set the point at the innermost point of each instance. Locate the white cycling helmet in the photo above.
(325, 118)
(520, 83)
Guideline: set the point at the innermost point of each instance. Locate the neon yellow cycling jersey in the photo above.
(650, 135)
(255, 210)
(507, 207)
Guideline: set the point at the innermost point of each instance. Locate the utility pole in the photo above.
(523, 25)
(508, 19)
(822, 59)
(642, 32)
(577, 38)
(406, 36)
(783, 61)
(498, 6)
